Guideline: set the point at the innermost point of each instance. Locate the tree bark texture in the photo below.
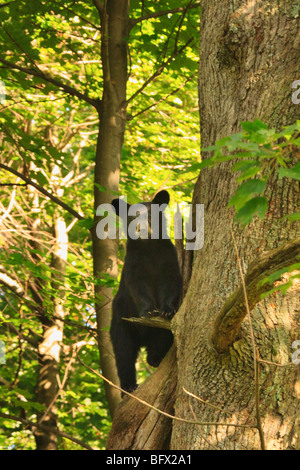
(114, 19)
(49, 348)
(249, 57)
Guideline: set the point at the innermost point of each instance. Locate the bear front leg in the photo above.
(158, 344)
(144, 298)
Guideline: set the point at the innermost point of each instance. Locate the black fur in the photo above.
(150, 284)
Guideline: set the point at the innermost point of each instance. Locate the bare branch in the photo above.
(233, 312)
(33, 425)
(54, 81)
(158, 71)
(254, 349)
(43, 191)
(168, 415)
(157, 14)
(155, 322)
(129, 118)
(99, 5)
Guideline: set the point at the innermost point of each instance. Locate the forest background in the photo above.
(100, 99)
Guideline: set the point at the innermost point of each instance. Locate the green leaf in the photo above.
(277, 274)
(293, 172)
(292, 217)
(86, 223)
(256, 206)
(246, 191)
(253, 126)
(40, 177)
(101, 188)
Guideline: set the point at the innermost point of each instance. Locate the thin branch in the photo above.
(158, 71)
(129, 117)
(43, 191)
(157, 14)
(13, 184)
(200, 432)
(233, 312)
(206, 402)
(208, 423)
(255, 353)
(53, 430)
(155, 322)
(99, 6)
(39, 74)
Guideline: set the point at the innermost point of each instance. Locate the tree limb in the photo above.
(99, 6)
(155, 322)
(157, 14)
(158, 71)
(54, 81)
(33, 425)
(43, 191)
(233, 312)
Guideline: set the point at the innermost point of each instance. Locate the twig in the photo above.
(43, 191)
(255, 353)
(130, 117)
(213, 423)
(54, 81)
(158, 71)
(161, 13)
(205, 402)
(155, 322)
(33, 425)
(203, 437)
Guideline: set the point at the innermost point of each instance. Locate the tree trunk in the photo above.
(50, 346)
(114, 19)
(248, 61)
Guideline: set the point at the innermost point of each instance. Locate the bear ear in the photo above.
(162, 197)
(121, 207)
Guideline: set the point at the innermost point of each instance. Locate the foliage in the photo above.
(259, 154)
(48, 132)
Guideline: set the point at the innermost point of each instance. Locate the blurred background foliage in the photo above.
(50, 136)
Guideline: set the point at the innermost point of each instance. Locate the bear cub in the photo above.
(150, 283)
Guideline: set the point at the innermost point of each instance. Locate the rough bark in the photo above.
(248, 61)
(151, 429)
(114, 21)
(49, 348)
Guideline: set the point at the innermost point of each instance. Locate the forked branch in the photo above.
(233, 312)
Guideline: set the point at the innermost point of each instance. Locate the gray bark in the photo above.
(249, 57)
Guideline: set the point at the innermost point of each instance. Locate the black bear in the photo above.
(150, 283)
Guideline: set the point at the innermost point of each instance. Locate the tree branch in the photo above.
(43, 191)
(99, 5)
(233, 312)
(168, 415)
(39, 74)
(33, 425)
(157, 14)
(158, 71)
(155, 322)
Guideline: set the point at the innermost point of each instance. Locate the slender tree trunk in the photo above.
(249, 57)
(112, 114)
(50, 346)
